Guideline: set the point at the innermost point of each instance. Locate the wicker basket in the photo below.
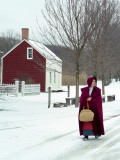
(86, 115)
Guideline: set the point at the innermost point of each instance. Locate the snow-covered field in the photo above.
(31, 131)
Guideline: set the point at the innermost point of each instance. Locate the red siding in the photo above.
(17, 66)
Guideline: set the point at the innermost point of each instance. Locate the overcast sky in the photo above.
(17, 14)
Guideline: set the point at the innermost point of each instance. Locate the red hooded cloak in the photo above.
(95, 106)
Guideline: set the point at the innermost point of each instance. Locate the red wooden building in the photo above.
(30, 61)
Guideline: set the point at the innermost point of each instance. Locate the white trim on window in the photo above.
(29, 53)
(54, 77)
(50, 77)
(1, 71)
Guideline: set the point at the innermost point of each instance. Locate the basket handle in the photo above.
(87, 106)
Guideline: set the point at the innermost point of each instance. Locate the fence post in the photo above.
(49, 96)
(22, 87)
(68, 91)
(17, 87)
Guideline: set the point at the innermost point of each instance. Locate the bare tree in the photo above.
(103, 41)
(71, 23)
(8, 40)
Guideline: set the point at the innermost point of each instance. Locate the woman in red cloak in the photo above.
(92, 95)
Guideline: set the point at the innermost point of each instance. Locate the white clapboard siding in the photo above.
(56, 81)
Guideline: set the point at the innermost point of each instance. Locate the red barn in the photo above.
(32, 62)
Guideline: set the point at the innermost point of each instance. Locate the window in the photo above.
(29, 53)
(54, 77)
(50, 77)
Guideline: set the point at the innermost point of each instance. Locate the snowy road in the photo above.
(70, 146)
(31, 131)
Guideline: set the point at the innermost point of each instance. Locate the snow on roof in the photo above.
(43, 50)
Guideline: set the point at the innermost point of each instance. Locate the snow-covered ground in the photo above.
(31, 131)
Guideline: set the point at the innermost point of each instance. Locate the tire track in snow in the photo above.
(37, 120)
(92, 146)
(103, 150)
(25, 126)
(66, 134)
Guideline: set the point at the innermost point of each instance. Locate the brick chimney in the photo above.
(25, 33)
(1, 52)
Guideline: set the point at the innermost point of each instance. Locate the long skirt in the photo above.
(88, 129)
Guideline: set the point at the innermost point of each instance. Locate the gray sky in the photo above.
(17, 14)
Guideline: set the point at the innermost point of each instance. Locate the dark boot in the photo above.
(97, 137)
(85, 138)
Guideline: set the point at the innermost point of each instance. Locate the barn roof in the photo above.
(41, 48)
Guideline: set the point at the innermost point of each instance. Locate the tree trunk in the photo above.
(77, 83)
(95, 74)
(103, 87)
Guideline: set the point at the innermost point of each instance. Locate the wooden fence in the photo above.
(30, 88)
(13, 89)
(9, 89)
